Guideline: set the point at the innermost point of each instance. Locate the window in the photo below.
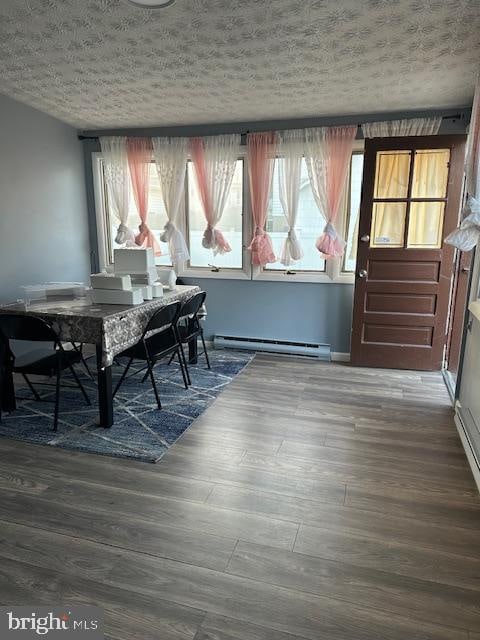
(409, 198)
(156, 219)
(236, 225)
(309, 225)
(231, 224)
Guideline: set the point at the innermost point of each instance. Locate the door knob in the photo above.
(465, 269)
(362, 273)
(365, 238)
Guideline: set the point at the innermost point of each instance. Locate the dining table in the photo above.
(111, 328)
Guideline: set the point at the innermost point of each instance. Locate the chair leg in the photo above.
(57, 399)
(80, 385)
(83, 361)
(171, 358)
(205, 350)
(154, 384)
(122, 377)
(31, 387)
(182, 367)
(185, 363)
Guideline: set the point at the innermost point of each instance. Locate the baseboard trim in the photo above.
(340, 356)
(469, 452)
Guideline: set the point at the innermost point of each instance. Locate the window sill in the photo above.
(305, 276)
(299, 276)
(222, 274)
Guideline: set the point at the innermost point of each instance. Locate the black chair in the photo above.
(191, 328)
(158, 341)
(44, 361)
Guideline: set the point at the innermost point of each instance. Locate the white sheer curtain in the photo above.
(468, 234)
(115, 163)
(214, 161)
(290, 151)
(171, 161)
(397, 128)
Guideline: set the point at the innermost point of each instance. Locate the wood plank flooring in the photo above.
(311, 501)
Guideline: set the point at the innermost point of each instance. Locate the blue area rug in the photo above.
(140, 431)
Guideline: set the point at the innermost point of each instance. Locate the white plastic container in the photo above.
(157, 289)
(168, 278)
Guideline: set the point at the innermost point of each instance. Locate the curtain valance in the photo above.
(400, 128)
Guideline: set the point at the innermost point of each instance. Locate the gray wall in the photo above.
(43, 214)
(279, 310)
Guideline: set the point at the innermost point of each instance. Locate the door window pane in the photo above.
(388, 224)
(426, 225)
(430, 173)
(230, 224)
(391, 179)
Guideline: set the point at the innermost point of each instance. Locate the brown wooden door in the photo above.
(410, 201)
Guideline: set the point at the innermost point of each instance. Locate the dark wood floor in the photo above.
(311, 501)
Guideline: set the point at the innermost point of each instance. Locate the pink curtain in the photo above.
(261, 149)
(139, 154)
(328, 154)
(214, 173)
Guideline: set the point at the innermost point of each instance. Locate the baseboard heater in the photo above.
(310, 349)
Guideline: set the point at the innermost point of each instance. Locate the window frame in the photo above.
(224, 273)
(102, 216)
(333, 273)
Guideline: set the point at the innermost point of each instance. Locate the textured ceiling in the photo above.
(106, 63)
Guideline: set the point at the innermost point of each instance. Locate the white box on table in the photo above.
(111, 281)
(142, 279)
(117, 296)
(133, 260)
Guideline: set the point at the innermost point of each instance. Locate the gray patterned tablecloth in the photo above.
(115, 327)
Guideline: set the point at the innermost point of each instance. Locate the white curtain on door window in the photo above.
(171, 161)
(468, 234)
(115, 166)
(398, 128)
(290, 151)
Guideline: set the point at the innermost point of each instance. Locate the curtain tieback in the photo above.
(215, 240)
(144, 233)
(260, 232)
(330, 231)
(168, 231)
(124, 234)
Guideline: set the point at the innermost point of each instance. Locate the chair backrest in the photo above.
(25, 327)
(193, 305)
(164, 318)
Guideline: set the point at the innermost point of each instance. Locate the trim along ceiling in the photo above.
(106, 64)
